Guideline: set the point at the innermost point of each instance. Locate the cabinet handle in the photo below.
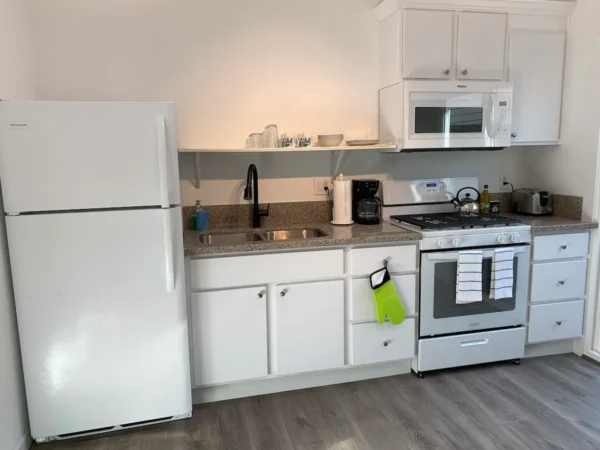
(282, 293)
(387, 342)
(447, 71)
(561, 282)
(559, 322)
(563, 247)
(514, 135)
(464, 72)
(261, 294)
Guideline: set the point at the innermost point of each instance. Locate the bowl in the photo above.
(329, 140)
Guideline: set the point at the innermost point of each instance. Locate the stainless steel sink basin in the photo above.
(230, 239)
(284, 235)
(260, 236)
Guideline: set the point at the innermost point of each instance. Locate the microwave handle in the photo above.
(496, 114)
(453, 256)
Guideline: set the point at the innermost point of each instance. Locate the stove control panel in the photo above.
(470, 239)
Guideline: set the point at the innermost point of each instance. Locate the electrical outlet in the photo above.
(320, 184)
(505, 187)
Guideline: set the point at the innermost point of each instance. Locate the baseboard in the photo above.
(293, 382)
(25, 443)
(549, 348)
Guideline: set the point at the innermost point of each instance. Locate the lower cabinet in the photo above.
(309, 321)
(556, 321)
(375, 343)
(229, 335)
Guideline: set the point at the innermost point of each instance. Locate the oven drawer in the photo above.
(474, 348)
(558, 280)
(375, 343)
(560, 246)
(556, 321)
(401, 258)
(363, 303)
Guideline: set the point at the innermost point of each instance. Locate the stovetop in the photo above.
(444, 221)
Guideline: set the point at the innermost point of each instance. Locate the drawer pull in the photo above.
(561, 282)
(563, 247)
(283, 293)
(387, 342)
(476, 342)
(559, 322)
(261, 294)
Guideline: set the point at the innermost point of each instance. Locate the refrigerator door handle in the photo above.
(169, 257)
(163, 167)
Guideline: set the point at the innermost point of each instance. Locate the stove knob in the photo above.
(456, 242)
(515, 238)
(443, 243)
(502, 240)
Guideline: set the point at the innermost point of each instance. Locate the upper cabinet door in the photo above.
(481, 46)
(428, 44)
(535, 67)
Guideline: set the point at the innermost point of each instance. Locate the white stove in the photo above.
(453, 333)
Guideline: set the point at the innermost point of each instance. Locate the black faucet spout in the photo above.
(251, 193)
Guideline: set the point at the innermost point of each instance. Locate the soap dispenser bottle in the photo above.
(201, 217)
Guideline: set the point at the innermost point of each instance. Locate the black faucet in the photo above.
(257, 213)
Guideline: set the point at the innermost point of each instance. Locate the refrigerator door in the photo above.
(87, 155)
(102, 318)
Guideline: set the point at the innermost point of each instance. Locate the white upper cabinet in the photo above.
(535, 67)
(481, 46)
(428, 43)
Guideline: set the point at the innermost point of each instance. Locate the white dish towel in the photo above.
(502, 282)
(468, 277)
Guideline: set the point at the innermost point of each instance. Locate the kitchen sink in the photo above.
(260, 236)
(230, 238)
(284, 235)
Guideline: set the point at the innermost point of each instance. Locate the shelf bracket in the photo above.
(197, 169)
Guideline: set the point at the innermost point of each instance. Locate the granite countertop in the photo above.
(552, 224)
(336, 236)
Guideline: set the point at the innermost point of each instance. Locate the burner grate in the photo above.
(441, 221)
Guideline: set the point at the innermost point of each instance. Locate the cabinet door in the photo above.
(481, 46)
(310, 326)
(535, 67)
(229, 335)
(428, 44)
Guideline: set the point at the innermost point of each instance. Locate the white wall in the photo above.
(232, 67)
(15, 83)
(571, 167)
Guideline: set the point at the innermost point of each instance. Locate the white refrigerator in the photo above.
(93, 217)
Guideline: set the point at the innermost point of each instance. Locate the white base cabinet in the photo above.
(310, 326)
(229, 335)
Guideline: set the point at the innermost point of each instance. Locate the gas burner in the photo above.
(442, 221)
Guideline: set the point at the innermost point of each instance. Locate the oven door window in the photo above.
(444, 292)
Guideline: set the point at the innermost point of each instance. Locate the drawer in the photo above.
(225, 272)
(375, 343)
(363, 303)
(558, 280)
(560, 246)
(556, 321)
(474, 348)
(401, 258)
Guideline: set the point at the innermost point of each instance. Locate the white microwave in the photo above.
(446, 115)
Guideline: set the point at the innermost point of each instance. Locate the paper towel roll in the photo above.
(342, 202)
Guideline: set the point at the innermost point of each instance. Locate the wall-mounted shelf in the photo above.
(290, 149)
(342, 149)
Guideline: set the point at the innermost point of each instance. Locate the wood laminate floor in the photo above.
(546, 403)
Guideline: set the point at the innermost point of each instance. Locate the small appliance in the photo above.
(452, 333)
(446, 115)
(535, 202)
(366, 206)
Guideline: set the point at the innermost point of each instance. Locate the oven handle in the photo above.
(453, 256)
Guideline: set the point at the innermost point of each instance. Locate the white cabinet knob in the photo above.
(502, 240)
(456, 242)
(515, 238)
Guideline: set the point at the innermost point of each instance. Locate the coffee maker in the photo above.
(366, 206)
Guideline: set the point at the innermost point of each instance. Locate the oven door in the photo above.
(455, 119)
(439, 312)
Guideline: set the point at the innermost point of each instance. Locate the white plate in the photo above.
(361, 142)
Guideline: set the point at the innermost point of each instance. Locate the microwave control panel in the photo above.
(503, 129)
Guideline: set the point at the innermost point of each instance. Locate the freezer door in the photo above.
(102, 324)
(87, 155)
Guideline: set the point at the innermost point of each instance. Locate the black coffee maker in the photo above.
(366, 206)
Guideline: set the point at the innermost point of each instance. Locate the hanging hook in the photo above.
(385, 262)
